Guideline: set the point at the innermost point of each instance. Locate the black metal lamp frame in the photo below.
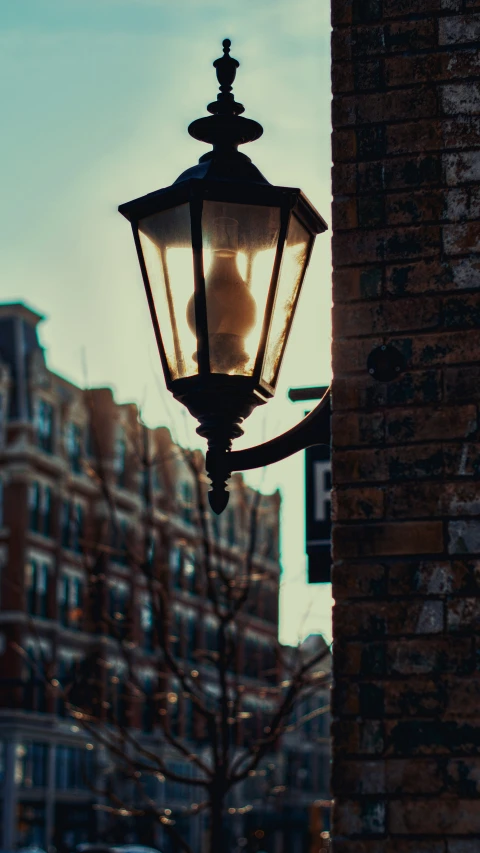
(221, 402)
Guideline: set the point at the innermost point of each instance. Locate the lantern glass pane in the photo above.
(166, 240)
(294, 261)
(239, 247)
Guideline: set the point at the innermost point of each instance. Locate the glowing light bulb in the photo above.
(231, 308)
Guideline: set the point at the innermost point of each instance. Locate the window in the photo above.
(31, 825)
(175, 561)
(250, 656)
(117, 700)
(119, 460)
(34, 507)
(70, 602)
(231, 532)
(146, 623)
(65, 673)
(271, 543)
(74, 446)
(72, 526)
(148, 704)
(36, 587)
(31, 764)
(118, 541)
(187, 502)
(189, 572)
(44, 426)
(190, 634)
(176, 634)
(73, 768)
(270, 603)
(40, 508)
(118, 598)
(34, 682)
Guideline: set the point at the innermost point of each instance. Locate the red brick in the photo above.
(341, 12)
(463, 776)
(414, 776)
(431, 424)
(353, 738)
(446, 348)
(462, 167)
(422, 537)
(344, 213)
(463, 697)
(399, 8)
(415, 102)
(426, 817)
(462, 384)
(464, 537)
(359, 817)
(430, 656)
(358, 248)
(411, 388)
(374, 318)
(415, 696)
(341, 45)
(459, 30)
(357, 283)
(357, 504)
(433, 500)
(421, 577)
(415, 463)
(352, 429)
(464, 615)
(350, 356)
(344, 145)
(462, 238)
(362, 581)
(424, 276)
(359, 465)
(413, 208)
(344, 178)
(378, 619)
(361, 777)
(343, 79)
(461, 132)
(414, 136)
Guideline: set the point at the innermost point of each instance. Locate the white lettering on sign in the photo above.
(322, 476)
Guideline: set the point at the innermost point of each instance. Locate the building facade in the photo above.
(93, 505)
(406, 533)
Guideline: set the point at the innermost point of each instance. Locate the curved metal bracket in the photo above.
(313, 429)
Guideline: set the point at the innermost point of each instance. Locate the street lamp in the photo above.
(223, 255)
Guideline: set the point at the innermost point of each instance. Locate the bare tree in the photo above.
(236, 721)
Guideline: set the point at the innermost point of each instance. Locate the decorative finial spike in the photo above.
(226, 68)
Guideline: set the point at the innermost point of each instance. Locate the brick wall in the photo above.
(406, 456)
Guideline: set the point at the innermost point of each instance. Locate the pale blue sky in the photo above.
(96, 97)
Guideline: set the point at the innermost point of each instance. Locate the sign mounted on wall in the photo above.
(318, 487)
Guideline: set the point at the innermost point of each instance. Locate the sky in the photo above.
(96, 98)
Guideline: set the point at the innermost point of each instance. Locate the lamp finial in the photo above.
(226, 68)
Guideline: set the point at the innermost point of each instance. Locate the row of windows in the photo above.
(70, 594)
(41, 516)
(73, 766)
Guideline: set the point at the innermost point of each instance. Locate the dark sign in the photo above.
(318, 483)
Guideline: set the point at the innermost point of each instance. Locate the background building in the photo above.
(63, 613)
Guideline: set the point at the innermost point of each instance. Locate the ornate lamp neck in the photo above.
(224, 128)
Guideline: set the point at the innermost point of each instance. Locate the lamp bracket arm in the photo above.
(314, 429)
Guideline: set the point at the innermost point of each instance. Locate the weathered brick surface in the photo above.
(406, 454)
